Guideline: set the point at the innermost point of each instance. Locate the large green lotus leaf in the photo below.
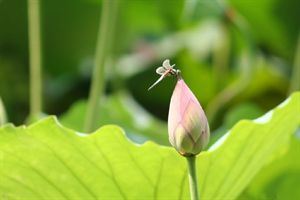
(245, 149)
(280, 178)
(48, 161)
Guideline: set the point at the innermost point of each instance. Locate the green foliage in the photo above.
(237, 58)
(17, 84)
(46, 160)
(280, 178)
(242, 111)
(123, 110)
(145, 33)
(272, 22)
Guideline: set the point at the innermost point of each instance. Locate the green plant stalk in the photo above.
(191, 162)
(35, 57)
(295, 79)
(3, 118)
(104, 40)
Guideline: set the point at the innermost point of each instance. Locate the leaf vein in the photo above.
(111, 169)
(274, 139)
(37, 172)
(67, 167)
(23, 185)
(158, 177)
(234, 164)
(137, 165)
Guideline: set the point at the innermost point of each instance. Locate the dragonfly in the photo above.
(165, 70)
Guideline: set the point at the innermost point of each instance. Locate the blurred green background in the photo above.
(240, 58)
(237, 56)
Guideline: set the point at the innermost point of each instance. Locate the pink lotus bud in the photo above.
(187, 124)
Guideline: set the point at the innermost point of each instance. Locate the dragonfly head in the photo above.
(178, 74)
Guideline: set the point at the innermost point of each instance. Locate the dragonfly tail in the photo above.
(156, 82)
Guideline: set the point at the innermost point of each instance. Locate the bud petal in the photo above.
(187, 124)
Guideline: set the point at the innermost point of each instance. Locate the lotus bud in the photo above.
(187, 124)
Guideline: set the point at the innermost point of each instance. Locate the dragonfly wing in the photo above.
(160, 70)
(156, 82)
(166, 64)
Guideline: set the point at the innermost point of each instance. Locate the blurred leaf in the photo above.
(199, 76)
(143, 16)
(13, 34)
(14, 88)
(198, 41)
(69, 36)
(257, 81)
(121, 109)
(280, 178)
(211, 8)
(239, 112)
(266, 76)
(242, 111)
(273, 22)
(46, 160)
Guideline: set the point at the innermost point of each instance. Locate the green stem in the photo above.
(295, 79)
(191, 161)
(35, 57)
(104, 40)
(3, 118)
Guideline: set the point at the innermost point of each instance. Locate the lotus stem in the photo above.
(35, 57)
(191, 162)
(103, 46)
(295, 78)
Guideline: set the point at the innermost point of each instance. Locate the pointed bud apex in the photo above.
(187, 124)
